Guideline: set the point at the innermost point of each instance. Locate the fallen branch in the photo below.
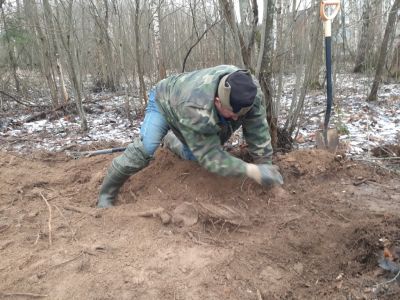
(357, 183)
(150, 213)
(68, 261)
(3, 294)
(49, 223)
(382, 185)
(16, 100)
(68, 223)
(36, 116)
(82, 211)
(378, 158)
(43, 114)
(157, 212)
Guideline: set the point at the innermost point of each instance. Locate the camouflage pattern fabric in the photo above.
(187, 102)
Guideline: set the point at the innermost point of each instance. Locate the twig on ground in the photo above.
(19, 101)
(241, 187)
(150, 213)
(383, 185)
(259, 296)
(49, 223)
(68, 223)
(3, 294)
(379, 158)
(378, 163)
(69, 260)
(37, 238)
(82, 211)
(357, 183)
(366, 180)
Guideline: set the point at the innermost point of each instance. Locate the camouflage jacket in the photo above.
(187, 102)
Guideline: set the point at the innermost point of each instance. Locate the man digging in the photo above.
(202, 109)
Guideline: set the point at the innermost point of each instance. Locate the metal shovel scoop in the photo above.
(328, 138)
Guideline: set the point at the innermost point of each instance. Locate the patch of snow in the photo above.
(363, 125)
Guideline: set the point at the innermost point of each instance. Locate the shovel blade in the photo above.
(332, 142)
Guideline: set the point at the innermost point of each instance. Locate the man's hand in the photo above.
(264, 174)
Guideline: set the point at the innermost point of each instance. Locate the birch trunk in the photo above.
(138, 54)
(384, 49)
(156, 7)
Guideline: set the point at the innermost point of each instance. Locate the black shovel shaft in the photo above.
(77, 154)
(328, 58)
(106, 151)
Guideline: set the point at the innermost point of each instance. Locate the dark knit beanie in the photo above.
(237, 90)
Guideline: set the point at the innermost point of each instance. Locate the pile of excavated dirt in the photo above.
(319, 236)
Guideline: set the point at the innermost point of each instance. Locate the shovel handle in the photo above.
(324, 4)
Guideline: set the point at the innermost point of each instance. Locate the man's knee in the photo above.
(134, 158)
(176, 146)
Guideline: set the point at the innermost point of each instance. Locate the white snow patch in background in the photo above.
(368, 125)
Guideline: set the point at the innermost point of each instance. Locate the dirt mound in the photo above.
(320, 234)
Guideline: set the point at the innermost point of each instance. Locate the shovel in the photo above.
(328, 138)
(77, 154)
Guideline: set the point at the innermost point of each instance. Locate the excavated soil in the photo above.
(316, 238)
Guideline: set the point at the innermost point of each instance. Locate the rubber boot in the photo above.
(110, 187)
(131, 161)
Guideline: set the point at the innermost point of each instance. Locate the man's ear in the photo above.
(217, 102)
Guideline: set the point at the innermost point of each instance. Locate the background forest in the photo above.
(74, 76)
(54, 54)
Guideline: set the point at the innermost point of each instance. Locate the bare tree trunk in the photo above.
(249, 21)
(138, 55)
(281, 44)
(108, 75)
(10, 48)
(111, 77)
(229, 15)
(265, 74)
(307, 77)
(55, 51)
(395, 65)
(46, 60)
(383, 52)
(68, 44)
(162, 73)
(363, 43)
(315, 71)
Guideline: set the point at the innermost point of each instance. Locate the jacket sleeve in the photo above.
(256, 132)
(201, 136)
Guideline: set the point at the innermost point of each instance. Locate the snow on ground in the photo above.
(363, 125)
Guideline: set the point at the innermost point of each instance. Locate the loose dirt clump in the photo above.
(317, 237)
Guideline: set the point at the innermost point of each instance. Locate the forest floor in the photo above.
(324, 235)
(318, 237)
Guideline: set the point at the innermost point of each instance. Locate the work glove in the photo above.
(264, 174)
